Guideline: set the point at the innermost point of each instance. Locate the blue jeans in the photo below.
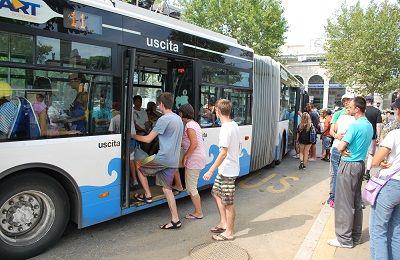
(334, 167)
(384, 229)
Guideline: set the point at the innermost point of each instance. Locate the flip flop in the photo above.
(221, 237)
(217, 230)
(143, 198)
(191, 216)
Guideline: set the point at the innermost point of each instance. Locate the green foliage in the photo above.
(363, 47)
(259, 24)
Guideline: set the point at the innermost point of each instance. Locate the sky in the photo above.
(307, 18)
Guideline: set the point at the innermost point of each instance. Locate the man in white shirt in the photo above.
(228, 166)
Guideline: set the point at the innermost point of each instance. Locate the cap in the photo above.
(5, 89)
(348, 96)
(396, 103)
(369, 98)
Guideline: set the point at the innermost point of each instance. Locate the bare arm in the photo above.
(193, 143)
(342, 146)
(145, 138)
(333, 129)
(221, 157)
(378, 131)
(380, 157)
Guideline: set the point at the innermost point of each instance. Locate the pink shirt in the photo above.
(198, 158)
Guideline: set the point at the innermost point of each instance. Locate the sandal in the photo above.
(175, 225)
(192, 216)
(217, 230)
(220, 237)
(143, 198)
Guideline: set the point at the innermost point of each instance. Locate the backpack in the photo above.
(313, 135)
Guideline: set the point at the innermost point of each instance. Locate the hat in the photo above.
(396, 103)
(348, 96)
(5, 89)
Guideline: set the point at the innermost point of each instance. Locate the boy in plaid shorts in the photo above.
(227, 163)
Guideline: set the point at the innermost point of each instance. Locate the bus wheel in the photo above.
(34, 212)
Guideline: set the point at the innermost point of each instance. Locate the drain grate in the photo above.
(219, 251)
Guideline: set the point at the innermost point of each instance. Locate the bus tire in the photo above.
(282, 150)
(34, 212)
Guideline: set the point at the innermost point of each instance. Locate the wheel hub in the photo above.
(20, 214)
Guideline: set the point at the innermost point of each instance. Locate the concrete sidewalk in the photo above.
(326, 252)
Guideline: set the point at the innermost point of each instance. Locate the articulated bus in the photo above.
(69, 69)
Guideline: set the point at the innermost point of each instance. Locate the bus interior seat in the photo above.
(25, 125)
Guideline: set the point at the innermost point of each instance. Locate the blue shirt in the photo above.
(170, 130)
(358, 138)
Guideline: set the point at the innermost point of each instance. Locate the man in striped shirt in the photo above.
(7, 110)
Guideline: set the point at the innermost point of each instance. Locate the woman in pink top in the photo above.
(194, 158)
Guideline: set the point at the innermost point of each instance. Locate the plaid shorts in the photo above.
(224, 187)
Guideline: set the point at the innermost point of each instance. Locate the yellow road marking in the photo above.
(323, 250)
(243, 184)
(285, 184)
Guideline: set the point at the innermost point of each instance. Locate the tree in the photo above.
(363, 47)
(259, 24)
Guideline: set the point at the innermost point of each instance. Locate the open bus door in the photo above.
(129, 58)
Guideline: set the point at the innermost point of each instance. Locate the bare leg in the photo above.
(306, 153)
(169, 195)
(301, 152)
(133, 171)
(313, 153)
(221, 210)
(177, 181)
(198, 212)
(230, 220)
(145, 184)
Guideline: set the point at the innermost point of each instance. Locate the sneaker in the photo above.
(332, 204)
(336, 243)
(301, 166)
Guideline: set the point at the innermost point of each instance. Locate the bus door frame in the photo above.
(127, 89)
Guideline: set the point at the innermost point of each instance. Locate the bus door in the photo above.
(128, 64)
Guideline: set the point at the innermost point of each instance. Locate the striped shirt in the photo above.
(8, 112)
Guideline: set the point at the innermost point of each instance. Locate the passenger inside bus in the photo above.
(142, 124)
(8, 110)
(152, 113)
(101, 116)
(115, 121)
(77, 113)
(208, 115)
(40, 109)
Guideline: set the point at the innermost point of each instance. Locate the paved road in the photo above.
(275, 210)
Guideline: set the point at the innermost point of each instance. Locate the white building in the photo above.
(305, 63)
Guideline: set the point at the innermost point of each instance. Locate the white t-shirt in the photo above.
(115, 124)
(392, 141)
(343, 124)
(229, 138)
(140, 117)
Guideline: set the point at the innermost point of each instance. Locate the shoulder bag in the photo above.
(374, 186)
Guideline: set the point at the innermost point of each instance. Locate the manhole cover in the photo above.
(219, 251)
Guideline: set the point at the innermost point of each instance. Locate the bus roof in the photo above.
(139, 13)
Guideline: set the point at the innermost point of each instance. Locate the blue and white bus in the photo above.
(69, 69)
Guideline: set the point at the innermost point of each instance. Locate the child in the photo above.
(227, 163)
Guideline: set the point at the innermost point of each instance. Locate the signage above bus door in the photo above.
(34, 11)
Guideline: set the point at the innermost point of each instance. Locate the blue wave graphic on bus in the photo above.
(114, 168)
(213, 152)
(96, 207)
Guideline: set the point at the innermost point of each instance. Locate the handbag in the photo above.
(374, 186)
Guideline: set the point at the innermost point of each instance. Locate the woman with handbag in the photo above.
(385, 212)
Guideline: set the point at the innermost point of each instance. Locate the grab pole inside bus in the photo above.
(128, 90)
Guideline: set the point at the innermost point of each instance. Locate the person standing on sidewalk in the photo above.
(374, 117)
(316, 123)
(326, 135)
(354, 147)
(227, 163)
(341, 121)
(384, 227)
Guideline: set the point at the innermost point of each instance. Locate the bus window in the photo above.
(70, 102)
(208, 96)
(241, 105)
